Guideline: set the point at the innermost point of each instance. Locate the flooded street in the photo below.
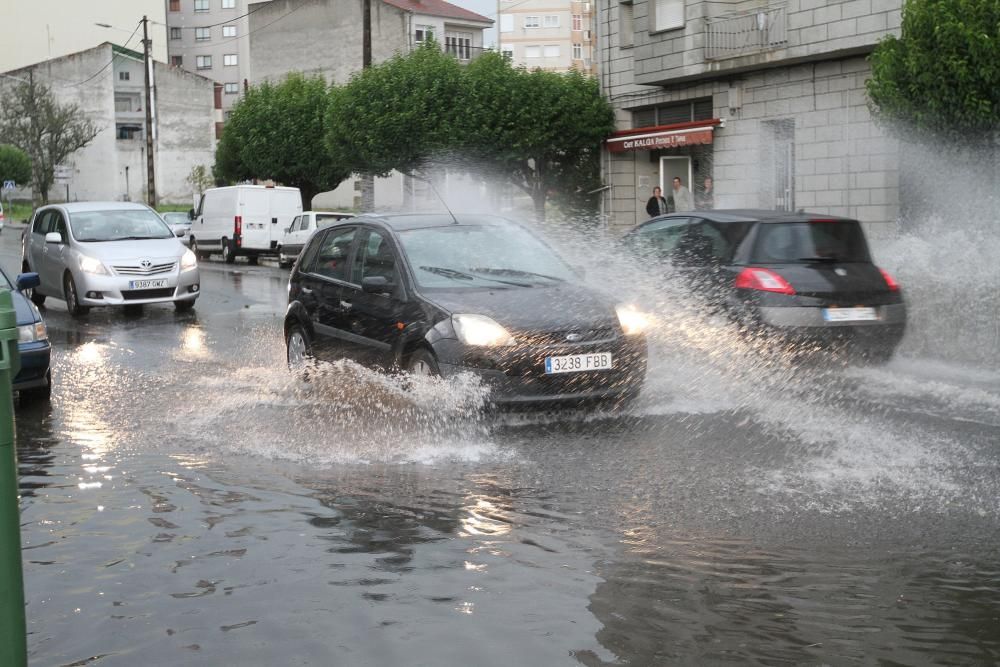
(186, 500)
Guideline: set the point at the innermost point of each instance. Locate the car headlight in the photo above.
(91, 265)
(29, 333)
(188, 261)
(633, 320)
(480, 331)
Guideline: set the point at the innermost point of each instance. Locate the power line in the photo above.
(258, 29)
(112, 62)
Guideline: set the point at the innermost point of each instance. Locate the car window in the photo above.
(333, 254)
(374, 257)
(42, 222)
(660, 237)
(820, 241)
(295, 223)
(58, 224)
(306, 223)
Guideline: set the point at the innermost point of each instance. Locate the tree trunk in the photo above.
(307, 194)
(538, 196)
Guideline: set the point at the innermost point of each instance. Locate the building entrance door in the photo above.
(675, 165)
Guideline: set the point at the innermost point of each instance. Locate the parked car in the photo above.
(180, 225)
(243, 220)
(803, 278)
(34, 380)
(298, 233)
(438, 295)
(108, 254)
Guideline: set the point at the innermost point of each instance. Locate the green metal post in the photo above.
(13, 638)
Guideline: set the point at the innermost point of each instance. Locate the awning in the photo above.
(664, 136)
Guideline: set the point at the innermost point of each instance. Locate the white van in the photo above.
(247, 220)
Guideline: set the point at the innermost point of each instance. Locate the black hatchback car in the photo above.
(805, 278)
(439, 295)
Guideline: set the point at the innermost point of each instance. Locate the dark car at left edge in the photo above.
(34, 379)
(437, 294)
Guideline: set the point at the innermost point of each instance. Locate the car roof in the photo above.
(406, 221)
(757, 215)
(85, 206)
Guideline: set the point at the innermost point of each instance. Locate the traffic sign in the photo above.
(9, 185)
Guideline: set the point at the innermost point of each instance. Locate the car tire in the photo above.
(298, 347)
(72, 297)
(36, 298)
(193, 245)
(228, 254)
(37, 394)
(422, 362)
(184, 306)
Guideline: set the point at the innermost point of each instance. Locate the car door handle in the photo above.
(346, 305)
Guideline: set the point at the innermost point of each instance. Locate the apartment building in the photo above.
(211, 38)
(106, 82)
(554, 35)
(767, 98)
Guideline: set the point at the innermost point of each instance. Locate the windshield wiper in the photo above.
(454, 274)
(518, 272)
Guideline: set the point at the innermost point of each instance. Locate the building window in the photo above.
(667, 15)
(230, 60)
(551, 51)
(201, 5)
(578, 52)
(123, 105)
(126, 132)
(626, 25)
(232, 88)
(676, 112)
(175, 33)
(202, 34)
(226, 115)
(508, 53)
(177, 61)
(506, 23)
(458, 44)
(124, 76)
(203, 62)
(423, 33)
(532, 52)
(229, 31)
(551, 21)
(532, 22)
(229, 4)
(577, 22)
(175, 5)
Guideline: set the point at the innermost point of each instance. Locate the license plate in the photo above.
(849, 314)
(576, 363)
(146, 284)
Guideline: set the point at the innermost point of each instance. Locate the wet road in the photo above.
(186, 501)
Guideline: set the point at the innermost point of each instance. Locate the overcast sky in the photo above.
(487, 8)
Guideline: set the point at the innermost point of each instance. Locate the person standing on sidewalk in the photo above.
(656, 205)
(681, 196)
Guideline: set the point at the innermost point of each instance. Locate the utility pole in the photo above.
(150, 167)
(367, 180)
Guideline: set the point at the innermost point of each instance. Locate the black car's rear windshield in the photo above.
(815, 241)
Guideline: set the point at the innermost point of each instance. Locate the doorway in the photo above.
(674, 166)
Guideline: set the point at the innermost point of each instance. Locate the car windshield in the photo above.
(176, 218)
(118, 225)
(477, 256)
(816, 241)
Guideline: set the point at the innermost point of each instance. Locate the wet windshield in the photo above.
(801, 242)
(118, 225)
(481, 256)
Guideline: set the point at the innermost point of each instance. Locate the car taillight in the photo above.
(238, 225)
(890, 281)
(763, 280)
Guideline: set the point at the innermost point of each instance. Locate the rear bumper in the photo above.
(806, 326)
(35, 360)
(517, 377)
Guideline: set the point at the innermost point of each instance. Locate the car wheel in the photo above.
(72, 300)
(184, 306)
(228, 256)
(193, 245)
(36, 298)
(298, 347)
(423, 363)
(34, 394)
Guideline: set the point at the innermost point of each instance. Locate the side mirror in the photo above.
(179, 232)
(191, 214)
(53, 237)
(376, 285)
(27, 281)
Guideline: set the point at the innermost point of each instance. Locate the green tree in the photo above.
(941, 76)
(275, 132)
(199, 178)
(397, 114)
(541, 130)
(15, 165)
(49, 132)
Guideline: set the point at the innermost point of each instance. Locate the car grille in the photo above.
(136, 270)
(569, 337)
(139, 294)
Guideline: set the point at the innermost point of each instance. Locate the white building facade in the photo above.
(554, 35)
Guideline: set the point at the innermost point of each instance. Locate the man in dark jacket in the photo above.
(656, 205)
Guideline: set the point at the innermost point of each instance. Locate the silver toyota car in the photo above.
(108, 254)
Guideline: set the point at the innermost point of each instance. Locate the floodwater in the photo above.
(187, 501)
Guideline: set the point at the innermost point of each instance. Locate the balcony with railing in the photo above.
(745, 33)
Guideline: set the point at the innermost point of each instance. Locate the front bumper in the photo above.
(516, 375)
(35, 360)
(115, 290)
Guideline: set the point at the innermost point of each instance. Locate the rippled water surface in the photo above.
(187, 501)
